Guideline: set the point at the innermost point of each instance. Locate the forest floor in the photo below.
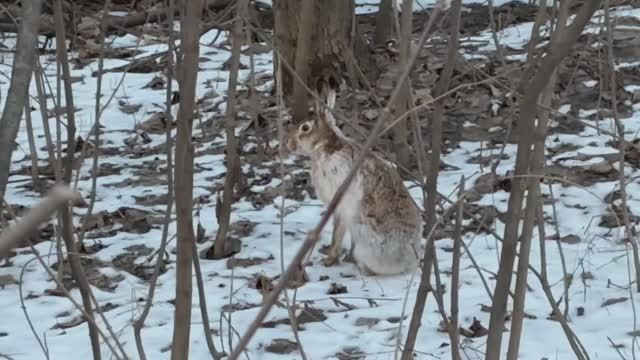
(342, 313)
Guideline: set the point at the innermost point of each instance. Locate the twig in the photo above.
(67, 221)
(475, 263)
(533, 205)
(234, 172)
(629, 234)
(138, 324)
(24, 228)
(202, 300)
(96, 146)
(32, 144)
(281, 152)
(38, 73)
(90, 320)
(455, 275)
(615, 347)
(43, 346)
(432, 184)
(528, 106)
(563, 261)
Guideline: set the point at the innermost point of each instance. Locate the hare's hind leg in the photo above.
(349, 257)
(339, 230)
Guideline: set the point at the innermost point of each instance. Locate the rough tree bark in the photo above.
(302, 56)
(23, 64)
(330, 39)
(384, 22)
(187, 78)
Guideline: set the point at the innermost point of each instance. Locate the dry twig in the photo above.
(528, 106)
(138, 324)
(431, 200)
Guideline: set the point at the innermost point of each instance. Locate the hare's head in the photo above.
(316, 131)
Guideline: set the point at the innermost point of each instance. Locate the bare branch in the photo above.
(528, 106)
(139, 323)
(432, 183)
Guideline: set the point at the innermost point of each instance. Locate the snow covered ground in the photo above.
(366, 316)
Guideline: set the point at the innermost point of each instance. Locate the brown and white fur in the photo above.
(384, 222)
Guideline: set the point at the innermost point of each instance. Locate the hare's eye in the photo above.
(305, 128)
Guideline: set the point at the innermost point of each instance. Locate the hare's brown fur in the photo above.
(377, 210)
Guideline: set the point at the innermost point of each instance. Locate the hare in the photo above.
(384, 222)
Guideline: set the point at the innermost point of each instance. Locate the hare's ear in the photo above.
(331, 99)
(331, 103)
(328, 93)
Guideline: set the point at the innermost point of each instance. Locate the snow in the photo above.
(371, 6)
(600, 251)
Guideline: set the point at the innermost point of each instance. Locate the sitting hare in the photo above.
(384, 222)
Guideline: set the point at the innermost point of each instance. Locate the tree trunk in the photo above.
(221, 247)
(304, 48)
(401, 133)
(330, 37)
(66, 211)
(187, 79)
(384, 22)
(23, 63)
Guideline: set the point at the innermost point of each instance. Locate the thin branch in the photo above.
(24, 228)
(455, 275)
(432, 183)
(528, 105)
(629, 233)
(281, 154)
(138, 324)
(202, 300)
(43, 346)
(220, 245)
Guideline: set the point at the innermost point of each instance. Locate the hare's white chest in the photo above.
(327, 174)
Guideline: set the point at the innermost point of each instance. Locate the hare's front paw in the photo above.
(330, 260)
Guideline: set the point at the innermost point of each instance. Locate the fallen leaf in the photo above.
(281, 346)
(613, 301)
(336, 288)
